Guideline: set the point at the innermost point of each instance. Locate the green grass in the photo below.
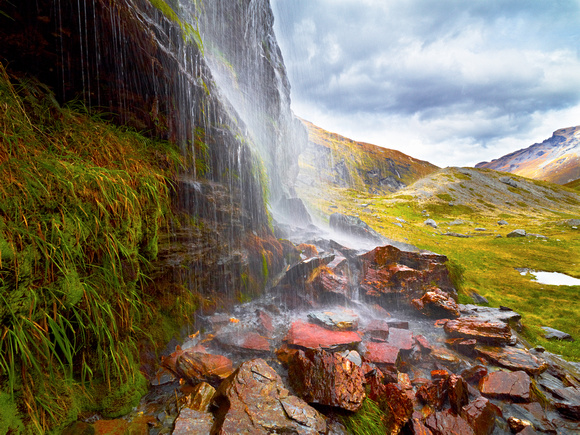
(369, 420)
(81, 205)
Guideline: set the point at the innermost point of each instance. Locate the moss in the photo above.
(10, 418)
(445, 197)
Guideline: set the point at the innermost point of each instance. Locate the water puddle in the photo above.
(550, 278)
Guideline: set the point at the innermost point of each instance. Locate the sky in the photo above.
(453, 82)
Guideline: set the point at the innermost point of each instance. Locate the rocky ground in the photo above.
(342, 326)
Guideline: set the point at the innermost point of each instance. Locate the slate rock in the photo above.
(378, 330)
(254, 400)
(482, 331)
(401, 339)
(513, 359)
(200, 397)
(433, 393)
(190, 421)
(354, 226)
(327, 379)
(481, 414)
(568, 402)
(340, 319)
(517, 233)
(382, 354)
(310, 336)
(446, 423)
(507, 385)
(552, 333)
(195, 367)
(438, 304)
(457, 392)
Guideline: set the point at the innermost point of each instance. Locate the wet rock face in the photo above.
(195, 366)
(327, 379)
(254, 400)
(482, 331)
(438, 304)
(513, 359)
(309, 336)
(507, 385)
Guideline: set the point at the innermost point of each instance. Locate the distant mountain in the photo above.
(341, 162)
(557, 159)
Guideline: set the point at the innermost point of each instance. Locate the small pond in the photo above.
(550, 278)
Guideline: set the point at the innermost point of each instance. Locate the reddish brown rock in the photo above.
(465, 346)
(327, 379)
(439, 374)
(433, 393)
(200, 397)
(401, 339)
(310, 336)
(445, 357)
(254, 341)
(481, 414)
(474, 374)
(330, 283)
(447, 423)
(436, 303)
(254, 400)
(507, 385)
(286, 355)
(112, 427)
(513, 359)
(265, 322)
(378, 330)
(485, 332)
(423, 343)
(517, 425)
(399, 406)
(382, 354)
(567, 402)
(417, 427)
(190, 421)
(197, 366)
(458, 394)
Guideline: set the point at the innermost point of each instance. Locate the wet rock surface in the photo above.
(268, 367)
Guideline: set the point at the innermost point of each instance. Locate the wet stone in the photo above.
(437, 304)
(327, 379)
(197, 366)
(457, 392)
(507, 385)
(399, 404)
(200, 397)
(382, 354)
(517, 425)
(474, 374)
(513, 359)
(568, 402)
(190, 421)
(254, 400)
(418, 428)
(465, 346)
(498, 333)
(446, 422)
(433, 393)
(328, 283)
(481, 414)
(423, 344)
(310, 336)
(378, 329)
(401, 339)
(265, 322)
(339, 319)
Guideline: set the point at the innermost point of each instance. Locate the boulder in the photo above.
(190, 421)
(254, 400)
(509, 181)
(474, 374)
(310, 336)
(502, 222)
(458, 394)
(513, 359)
(399, 406)
(195, 367)
(430, 223)
(517, 233)
(554, 334)
(340, 319)
(331, 285)
(401, 339)
(438, 304)
(446, 423)
(327, 379)
(483, 331)
(568, 402)
(433, 393)
(481, 414)
(514, 386)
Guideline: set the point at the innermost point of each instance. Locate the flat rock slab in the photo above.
(198, 366)
(490, 314)
(310, 336)
(438, 304)
(568, 402)
(401, 338)
(513, 359)
(480, 415)
(507, 385)
(498, 333)
(378, 330)
(554, 334)
(448, 423)
(340, 319)
(382, 354)
(190, 421)
(254, 401)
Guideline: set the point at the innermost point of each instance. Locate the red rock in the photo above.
(265, 322)
(254, 401)
(418, 428)
(445, 358)
(433, 394)
(464, 345)
(516, 425)
(378, 329)
(507, 385)
(396, 323)
(474, 374)
(480, 415)
(513, 359)
(190, 421)
(447, 423)
(327, 379)
(285, 355)
(437, 375)
(382, 354)
(436, 303)
(111, 427)
(399, 407)
(486, 332)
(423, 344)
(196, 366)
(401, 338)
(458, 394)
(329, 282)
(310, 336)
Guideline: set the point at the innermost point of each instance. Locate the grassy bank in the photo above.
(81, 205)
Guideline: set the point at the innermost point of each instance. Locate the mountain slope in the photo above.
(338, 162)
(556, 159)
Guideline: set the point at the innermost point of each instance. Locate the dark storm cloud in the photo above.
(433, 60)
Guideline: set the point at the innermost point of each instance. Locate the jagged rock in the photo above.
(446, 423)
(329, 284)
(433, 393)
(509, 181)
(516, 425)
(438, 304)
(477, 298)
(532, 412)
(492, 314)
(430, 223)
(556, 334)
(401, 339)
(517, 233)
(423, 344)
(327, 379)
(353, 226)
(340, 319)
(458, 394)
(254, 400)
(485, 332)
(568, 402)
(417, 427)
(466, 346)
(353, 356)
(445, 357)
(190, 421)
(310, 336)
(507, 385)
(481, 414)
(195, 366)
(513, 359)
(474, 374)
(502, 222)
(378, 330)
(265, 322)
(382, 354)
(298, 273)
(200, 397)
(244, 341)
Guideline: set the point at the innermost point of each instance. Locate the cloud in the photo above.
(454, 72)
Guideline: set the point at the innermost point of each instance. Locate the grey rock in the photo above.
(480, 229)
(573, 222)
(490, 314)
(509, 181)
(517, 233)
(400, 225)
(502, 222)
(431, 223)
(354, 226)
(477, 298)
(340, 319)
(555, 334)
(452, 234)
